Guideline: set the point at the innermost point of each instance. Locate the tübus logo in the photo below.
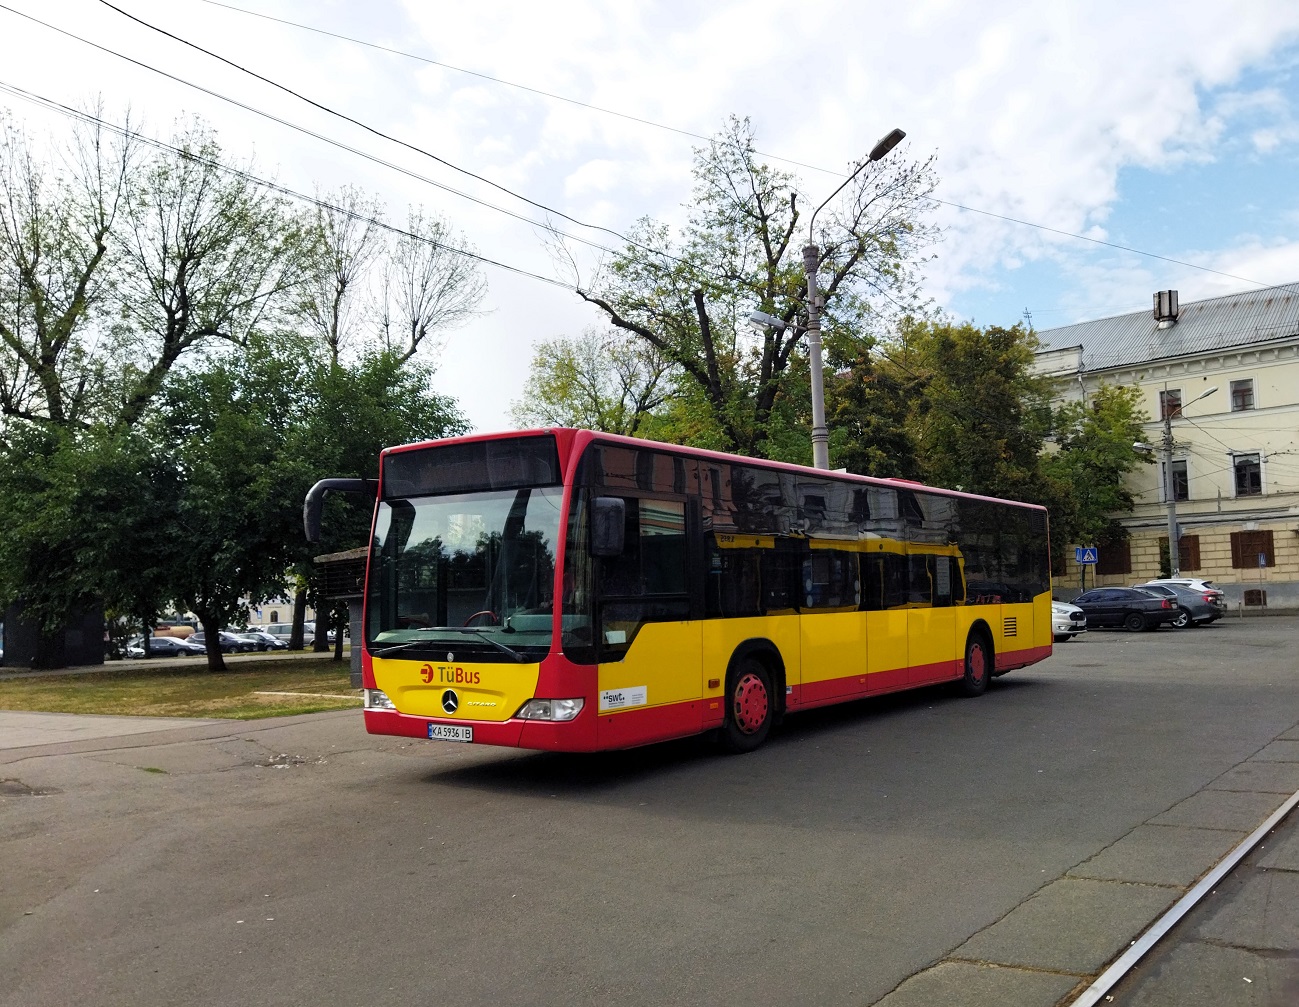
(449, 674)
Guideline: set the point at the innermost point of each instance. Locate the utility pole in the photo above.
(811, 262)
(1174, 546)
(1170, 492)
(820, 432)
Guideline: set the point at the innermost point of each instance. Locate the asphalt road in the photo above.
(919, 849)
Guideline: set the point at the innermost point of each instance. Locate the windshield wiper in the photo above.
(478, 631)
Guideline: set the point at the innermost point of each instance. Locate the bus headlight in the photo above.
(377, 699)
(551, 709)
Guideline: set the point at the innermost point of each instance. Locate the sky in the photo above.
(1170, 128)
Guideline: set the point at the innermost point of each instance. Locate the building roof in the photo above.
(1218, 323)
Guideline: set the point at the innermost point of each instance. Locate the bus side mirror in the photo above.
(608, 520)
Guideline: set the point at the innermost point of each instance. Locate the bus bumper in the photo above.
(576, 735)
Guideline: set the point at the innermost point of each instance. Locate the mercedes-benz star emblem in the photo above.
(451, 658)
(450, 701)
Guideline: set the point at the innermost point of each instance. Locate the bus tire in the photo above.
(978, 664)
(750, 706)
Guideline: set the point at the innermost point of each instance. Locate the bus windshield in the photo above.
(472, 573)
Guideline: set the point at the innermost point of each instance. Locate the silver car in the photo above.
(1194, 608)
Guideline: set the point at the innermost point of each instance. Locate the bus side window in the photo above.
(734, 582)
(872, 575)
(647, 583)
(920, 589)
(895, 580)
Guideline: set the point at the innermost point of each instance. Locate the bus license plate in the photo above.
(450, 732)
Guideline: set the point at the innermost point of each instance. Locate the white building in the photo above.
(1226, 372)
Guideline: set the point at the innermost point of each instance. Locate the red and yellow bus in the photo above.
(577, 591)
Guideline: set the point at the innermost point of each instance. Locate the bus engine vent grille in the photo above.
(1010, 626)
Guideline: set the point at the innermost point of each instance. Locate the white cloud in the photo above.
(1035, 111)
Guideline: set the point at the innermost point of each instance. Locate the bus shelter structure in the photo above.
(342, 578)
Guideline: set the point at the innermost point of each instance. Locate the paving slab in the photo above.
(1072, 925)
(1281, 750)
(1261, 777)
(1261, 916)
(1282, 852)
(20, 729)
(1221, 809)
(1290, 735)
(962, 984)
(1160, 855)
(1208, 975)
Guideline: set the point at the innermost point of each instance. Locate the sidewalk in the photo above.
(20, 729)
(1238, 946)
(154, 663)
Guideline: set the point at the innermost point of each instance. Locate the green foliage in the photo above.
(81, 522)
(688, 296)
(981, 416)
(868, 406)
(600, 380)
(1095, 453)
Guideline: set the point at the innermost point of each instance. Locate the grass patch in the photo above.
(197, 692)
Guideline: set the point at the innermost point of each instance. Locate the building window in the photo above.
(1181, 480)
(1114, 558)
(1242, 395)
(275, 616)
(1188, 552)
(1249, 475)
(1170, 403)
(1248, 547)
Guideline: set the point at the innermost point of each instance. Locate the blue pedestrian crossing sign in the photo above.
(1086, 555)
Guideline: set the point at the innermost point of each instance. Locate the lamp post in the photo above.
(1170, 495)
(811, 262)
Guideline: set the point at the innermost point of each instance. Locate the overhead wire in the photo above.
(317, 136)
(378, 132)
(273, 186)
(698, 136)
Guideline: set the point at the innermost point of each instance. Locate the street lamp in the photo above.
(1174, 543)
(811, 262)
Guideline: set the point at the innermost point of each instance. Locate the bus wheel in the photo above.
(978, 665)
(750, 707)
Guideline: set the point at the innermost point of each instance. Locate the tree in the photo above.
(428, 285)
(231, 425)
(57, 270)
(602, 380)
(980, 415)
(349, 240)
(868, 404)
(1094, 440)
(688, 298)
(87, 522)
(210, 254)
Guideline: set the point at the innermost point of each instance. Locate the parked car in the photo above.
(228, 642)
(262, 640)
(282, 631)
(1194, 608)
(1067, 621)
(172, 646)
(1132, 608)
(1205, 587)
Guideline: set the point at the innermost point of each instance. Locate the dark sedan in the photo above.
(1194, 608)
(172, 646)
(228, 642)
(1132, 608)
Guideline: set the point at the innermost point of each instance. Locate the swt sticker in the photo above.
(621, 699)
